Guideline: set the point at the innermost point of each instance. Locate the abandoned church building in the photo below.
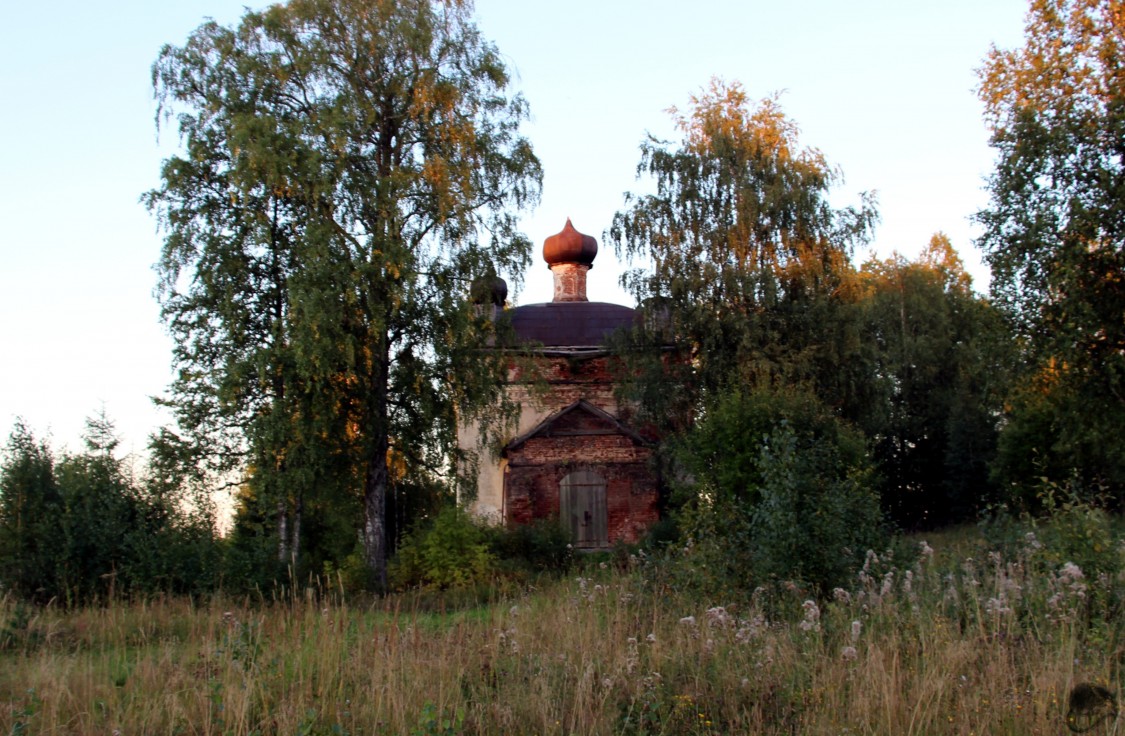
(573, 454)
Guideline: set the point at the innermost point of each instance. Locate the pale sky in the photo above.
(884, 88)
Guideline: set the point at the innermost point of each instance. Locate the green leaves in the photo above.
(1054, 230)
(938, 359)
(81, 528)
(741, 239)
(349, 167)
(785, 489)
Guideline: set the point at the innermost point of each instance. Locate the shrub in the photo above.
(451, 552)
(541, 546)
(783, 491)
(1066, 529)
(83, 528)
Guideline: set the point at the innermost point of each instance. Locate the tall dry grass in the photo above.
(956, 641)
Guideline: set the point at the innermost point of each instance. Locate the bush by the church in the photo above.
(780, 489)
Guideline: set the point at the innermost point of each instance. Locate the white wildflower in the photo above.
(997, 606)
(841, 596)
(632, 657)
(748, 630)
(857, 629)
(687, 621)
(849, 653)
(718, 616)
(812, 616)
(1070, 572)
(888, 583)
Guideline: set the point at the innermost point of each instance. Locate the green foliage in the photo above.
(1053, 431)
(541, 546)
(456, 550)
(1054, 229)
(1064, 527)
(83, 528)
(750, 281)
(1030, 452)
(432, 723)
(451, 552)
(352, 575)
(784, 492)
(746, 257)
(31, 506)
(16, 632)
(938, 358)
(349, 167)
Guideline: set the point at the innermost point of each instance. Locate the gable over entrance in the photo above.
(584, 467)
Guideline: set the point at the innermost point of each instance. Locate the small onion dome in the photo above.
(489, 290)
(570, 246)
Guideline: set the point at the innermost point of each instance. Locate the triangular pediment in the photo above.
(579, 419)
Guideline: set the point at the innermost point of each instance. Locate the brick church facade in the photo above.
(573, 455)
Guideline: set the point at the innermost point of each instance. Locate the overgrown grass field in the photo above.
(948, 635)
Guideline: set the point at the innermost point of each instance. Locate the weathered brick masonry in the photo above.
(581, 437)
(575, 456)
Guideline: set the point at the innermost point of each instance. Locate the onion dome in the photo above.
(570, 246)
(489, 290)
(570, 323)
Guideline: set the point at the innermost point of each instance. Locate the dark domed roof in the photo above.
(570, 246)
(489, 290)
(570, 324)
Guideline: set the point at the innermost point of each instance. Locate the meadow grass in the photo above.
(960, 638)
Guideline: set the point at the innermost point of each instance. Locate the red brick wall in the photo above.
(568, 380)
(535, 468)
(531, 481)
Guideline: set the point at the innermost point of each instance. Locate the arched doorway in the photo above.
(582, 508)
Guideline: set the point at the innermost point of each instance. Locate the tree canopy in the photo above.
(742, 242)
(937, 359)
(348, 167)
(750, 276)
(1054, 229)
(82, 526)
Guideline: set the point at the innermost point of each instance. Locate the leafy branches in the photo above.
(1055, 225)
(742, 241)
(349, 167)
